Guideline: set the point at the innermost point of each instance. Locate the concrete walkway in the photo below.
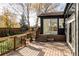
(43, 49)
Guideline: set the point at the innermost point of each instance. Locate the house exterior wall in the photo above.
(71, 37)
(71, 28)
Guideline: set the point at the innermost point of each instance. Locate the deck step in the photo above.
(41, 39)
(45, 38)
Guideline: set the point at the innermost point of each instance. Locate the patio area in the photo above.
(43, 49)
(42, 29)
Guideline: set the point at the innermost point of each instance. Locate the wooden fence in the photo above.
(10, 43)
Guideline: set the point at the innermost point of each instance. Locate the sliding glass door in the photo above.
(50, 26)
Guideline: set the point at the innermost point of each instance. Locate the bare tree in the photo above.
(23, 11)
(38, 8)
(28, 8)
(23, 17)
(43, 8)
(26, 11)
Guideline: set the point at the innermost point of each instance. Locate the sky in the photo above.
(61, 7)
(32, 14)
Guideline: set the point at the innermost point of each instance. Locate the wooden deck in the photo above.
(43, 49)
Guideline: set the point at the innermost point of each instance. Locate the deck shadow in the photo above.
(33, 48)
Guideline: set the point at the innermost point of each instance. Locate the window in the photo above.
(61, 23)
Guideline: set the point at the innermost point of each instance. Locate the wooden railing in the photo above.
(10, 43)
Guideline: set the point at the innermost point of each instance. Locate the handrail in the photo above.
(3, 38)
(13, 42)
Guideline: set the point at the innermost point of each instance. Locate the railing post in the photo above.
(25, 39)
(14, 43)
(21, 40)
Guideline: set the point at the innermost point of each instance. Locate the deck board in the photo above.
(43, 49)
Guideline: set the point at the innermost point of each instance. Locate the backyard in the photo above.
(37, 29)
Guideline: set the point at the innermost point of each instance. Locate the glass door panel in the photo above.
(50, 26)
(53, 26)
(46, 26)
